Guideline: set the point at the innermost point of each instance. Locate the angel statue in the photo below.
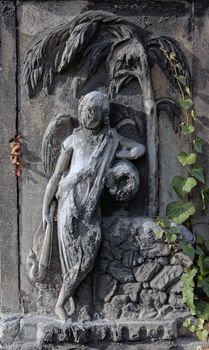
(75, 186)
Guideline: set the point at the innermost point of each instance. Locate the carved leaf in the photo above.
(53, 50)
(172, 109)
(77, 42)
(156, 48)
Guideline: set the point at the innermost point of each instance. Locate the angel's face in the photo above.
(92, 109)
(91, 117)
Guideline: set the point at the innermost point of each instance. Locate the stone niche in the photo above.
(72, 60)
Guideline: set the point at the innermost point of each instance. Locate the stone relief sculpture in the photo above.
(77, 183)
(137, 278)
(97, 37)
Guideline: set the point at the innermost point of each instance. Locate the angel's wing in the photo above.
(59, 128)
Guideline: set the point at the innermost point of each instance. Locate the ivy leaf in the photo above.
(202, 334)
(159, 234)
(181, 78)
(189, 184)
(188, 90)
(198, 145)
(172, 56)
(180, 211)
(187, 159)
(188, 249)
(202, 309)
(187, 128)
(183, 186)
(205, 197)
(197, 172)
(205, 285)
(200, 240)
(186, 103)
(179, 66)
(203, 263)
(194, 114)
(199, 251)
(188, 289)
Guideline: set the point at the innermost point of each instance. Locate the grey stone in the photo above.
(158, 249)
(9, 329)
(153, 298)
(130, 311)
(106, 251)
(176, 301)
(182, 259)
(129, 288)
(164, 260)
(176, 287)
(9, 275)
(167, 276)
(147, 313)
(114, 309)
(118, 253)
(121, 273)
(138, 259)
(128, 259)
(146, 271)
(103, 265)
(133, 297)
(107, 287)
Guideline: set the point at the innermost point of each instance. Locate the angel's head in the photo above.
(93, 110)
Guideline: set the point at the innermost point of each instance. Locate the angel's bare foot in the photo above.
(61, 313)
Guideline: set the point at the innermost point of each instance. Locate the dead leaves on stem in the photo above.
(15, 150)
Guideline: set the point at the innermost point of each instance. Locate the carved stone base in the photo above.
(38, 332)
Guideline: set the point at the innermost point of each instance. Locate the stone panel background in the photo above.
(21, 201)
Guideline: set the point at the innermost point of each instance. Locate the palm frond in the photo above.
(172, 108)
(156, 49)
(54, 50)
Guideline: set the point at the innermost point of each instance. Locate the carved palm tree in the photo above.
(96, 37)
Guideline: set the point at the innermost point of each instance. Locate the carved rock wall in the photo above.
(118, 293)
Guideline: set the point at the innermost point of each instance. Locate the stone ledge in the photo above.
(48, 330)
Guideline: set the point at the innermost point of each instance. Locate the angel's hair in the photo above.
(97, 101)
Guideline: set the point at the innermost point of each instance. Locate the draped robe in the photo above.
(78, 195)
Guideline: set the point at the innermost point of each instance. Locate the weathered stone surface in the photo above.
(130, 311)
(106, 288)
(181, 259)
(146, 271)
(122, 274)
(9, 330)
(103, 265)
(35, 115)
(153, 298)
(114, 309)
(129, 288)
(176, 287)
(9, 206)
(176, 301)
(167, 276)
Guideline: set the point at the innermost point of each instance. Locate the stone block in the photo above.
(107, 287)
(146, 271)
(121, 273)
(167, 276)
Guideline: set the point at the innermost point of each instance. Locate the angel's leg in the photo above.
(67, 291)
(59, 308)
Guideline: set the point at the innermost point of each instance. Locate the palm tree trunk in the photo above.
(152, 143)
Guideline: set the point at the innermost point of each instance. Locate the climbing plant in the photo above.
(195, 278)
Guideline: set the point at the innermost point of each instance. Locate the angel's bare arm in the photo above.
(61, 166)
(130, 149)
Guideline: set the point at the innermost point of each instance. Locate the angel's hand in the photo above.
(137, 152)
(46, 220)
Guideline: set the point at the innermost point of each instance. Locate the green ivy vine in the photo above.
(195, 278)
